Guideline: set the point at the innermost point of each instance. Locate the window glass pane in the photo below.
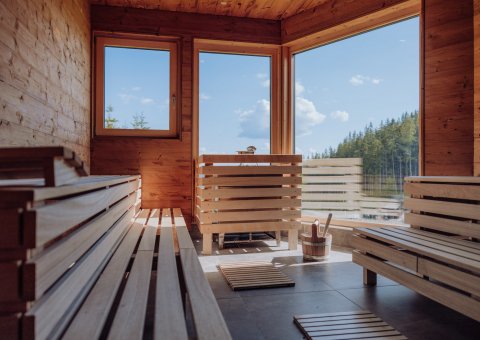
(358, 98)
(136, 88)
(234, 103)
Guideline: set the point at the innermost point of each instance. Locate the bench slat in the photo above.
(184, 239)
(459, 302)
(129, 319)
(95, 309)
(443, 208)
(249, 227)
(52, 220)
(444, 224)
(468, 192)
(44, 269)
(208, 319)
(210, 217)
(422, 249)
(250, 204)
(169, 314)
(55, 305)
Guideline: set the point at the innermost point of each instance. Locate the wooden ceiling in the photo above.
(263, 9)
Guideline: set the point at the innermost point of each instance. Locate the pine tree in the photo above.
(110, 122)
(139, 122)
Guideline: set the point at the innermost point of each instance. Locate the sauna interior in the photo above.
(127, 231)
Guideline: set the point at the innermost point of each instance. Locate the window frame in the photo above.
(241, 48)
(170, 45)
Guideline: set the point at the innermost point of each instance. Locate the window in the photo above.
(356, 122)
(135, 87)
(236, 97)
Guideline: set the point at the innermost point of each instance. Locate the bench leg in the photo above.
(292, 239)
(207, 244)
(278, 236)
(369, 277)
(221, 240)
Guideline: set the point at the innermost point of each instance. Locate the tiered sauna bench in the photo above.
(248, 193)
(439, 255)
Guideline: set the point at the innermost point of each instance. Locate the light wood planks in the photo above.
(445, 296)
(257, 199)
(169, 314)
(439, 255)
(130, 316)
(207, 317)
(252, 275)
(95, 309)
(345, 325)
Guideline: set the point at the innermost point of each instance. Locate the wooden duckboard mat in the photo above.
(345, 325)
(254, 275)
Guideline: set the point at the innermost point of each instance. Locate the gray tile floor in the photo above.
(332, 286)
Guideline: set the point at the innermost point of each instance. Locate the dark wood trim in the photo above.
(156, 22)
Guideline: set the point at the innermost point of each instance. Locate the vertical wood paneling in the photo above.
(45, 74)
(476, 25)
(448, 93)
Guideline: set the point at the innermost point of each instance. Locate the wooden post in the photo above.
(369, 277)
(207, 244)
(292, 239)
(278, 236)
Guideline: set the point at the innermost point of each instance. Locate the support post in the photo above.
(369, 277)
(207, 244)
(292, 239)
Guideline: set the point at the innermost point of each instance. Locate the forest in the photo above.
(389, 153)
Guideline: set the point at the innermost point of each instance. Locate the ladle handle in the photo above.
(327, 225)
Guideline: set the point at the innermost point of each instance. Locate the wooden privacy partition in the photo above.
(248, 193)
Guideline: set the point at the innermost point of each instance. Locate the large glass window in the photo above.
(234, 103)
(135, 87)
(356, 121)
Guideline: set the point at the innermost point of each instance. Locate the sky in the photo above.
(137, 82)
(339, 88)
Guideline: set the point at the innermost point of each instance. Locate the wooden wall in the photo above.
(448, 87)
(166, 164)
(45, 73)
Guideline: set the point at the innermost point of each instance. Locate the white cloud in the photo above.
(266, 146)
(136, 88)
(146, 101)
(299, 88)
(203, 150)
(403, 40)
(126, 98)
(312, 150)
(359, 79)
(298, 150)
(255, 123)
(264, 79)
(204, 96)
(307, 116)
(265, 83)
(342, 116)
(202, 61)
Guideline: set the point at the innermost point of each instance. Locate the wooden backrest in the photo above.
(53, 242)
(230, 187)
(445, 204)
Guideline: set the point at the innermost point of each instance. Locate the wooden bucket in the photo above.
(316, 248)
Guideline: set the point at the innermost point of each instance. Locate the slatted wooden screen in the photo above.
(332, 185)
(236, 193)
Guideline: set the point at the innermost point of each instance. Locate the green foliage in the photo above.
(139, 122)
(110, 122)
(389, 153)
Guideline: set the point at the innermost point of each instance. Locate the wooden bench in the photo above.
(82, 261)
(439, 255)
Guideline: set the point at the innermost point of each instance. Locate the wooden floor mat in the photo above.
(251, 275)
(346, 325)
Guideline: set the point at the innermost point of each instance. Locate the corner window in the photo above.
(136, 82)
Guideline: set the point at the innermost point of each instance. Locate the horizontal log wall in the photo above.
(476, 27)
(45, 74)
(448, 88)
(166, 165)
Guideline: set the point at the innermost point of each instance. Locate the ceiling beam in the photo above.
(205, 26)
(336, 16)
